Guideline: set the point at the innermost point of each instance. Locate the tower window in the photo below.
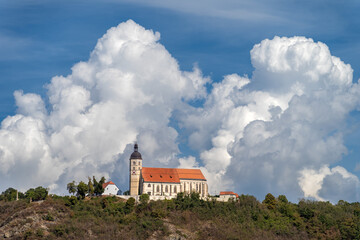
(134, 163)
(133, 168)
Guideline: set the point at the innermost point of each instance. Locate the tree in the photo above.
(90, 187)
(270, 201)
(82, 189)
(37, 194)
(101, 183)
(10, 195)
(282, 198)
(71, 187)
(98, 186)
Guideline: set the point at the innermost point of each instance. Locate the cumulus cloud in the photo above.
(278, 131)
(330, 184)
(125, 92)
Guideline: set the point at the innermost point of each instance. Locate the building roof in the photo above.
(229, 193)
(136, 154)
(107, 183)
(190, 174)
(170, 175)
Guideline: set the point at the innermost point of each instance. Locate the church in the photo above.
(163, 182)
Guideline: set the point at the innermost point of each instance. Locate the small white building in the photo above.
(110, 188)
(226, 196)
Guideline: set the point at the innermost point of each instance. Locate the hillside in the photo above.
(186, 217)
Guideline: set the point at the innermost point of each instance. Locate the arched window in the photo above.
(175, 189)
(134, 163)
(149, 185)
(197, 188)
(166, 189)
(158, 188)
(133, 168)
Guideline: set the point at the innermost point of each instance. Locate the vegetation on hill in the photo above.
(186, 217)
(32, 194)
(92, 188)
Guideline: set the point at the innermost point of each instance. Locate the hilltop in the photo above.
(186, 217)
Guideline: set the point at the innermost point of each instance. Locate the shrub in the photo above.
(39, 232)
(60, 230)
(49, 217)
(129, 206)
(144, 199)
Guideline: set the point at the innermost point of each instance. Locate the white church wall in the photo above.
(161, 189)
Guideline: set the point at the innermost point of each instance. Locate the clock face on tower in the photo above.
(133, 172)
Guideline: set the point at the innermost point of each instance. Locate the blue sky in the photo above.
(42, 39)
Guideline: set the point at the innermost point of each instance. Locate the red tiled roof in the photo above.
(106, 184)
(171, 175)
(190, 174)
(229, 193)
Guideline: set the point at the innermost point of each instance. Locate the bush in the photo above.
(39, 232)
(129, 206)
(49, 217)
(144, 199)
(60, 230)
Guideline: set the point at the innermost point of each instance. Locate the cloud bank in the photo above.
(280, 131)
(125, 92)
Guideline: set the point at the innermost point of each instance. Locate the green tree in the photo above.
(10, 195)
(37, 194)
(82, 189)
(270, 201)
(98, 186)
(71, 187)
(90, 187)
(283, 199)
(101, 183)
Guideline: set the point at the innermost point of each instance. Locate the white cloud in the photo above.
(330, 184)
(125, 92)
(188, 162)
(275, 132)
(288, 117)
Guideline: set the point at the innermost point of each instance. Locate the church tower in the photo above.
(135, 171)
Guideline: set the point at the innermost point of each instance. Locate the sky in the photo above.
(262, 96)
